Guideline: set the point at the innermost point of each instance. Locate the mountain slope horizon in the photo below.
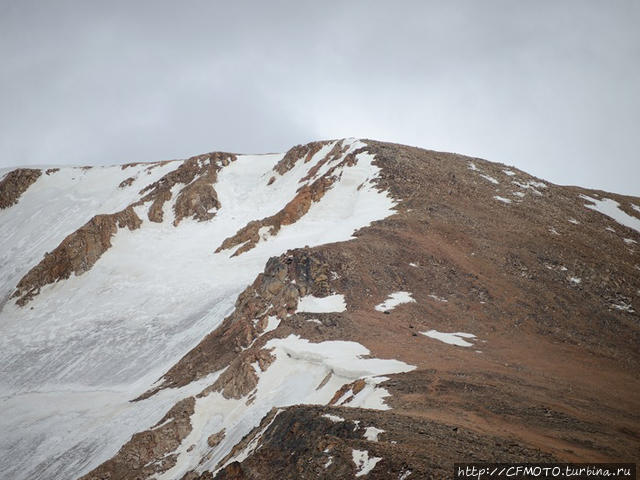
(347, 308)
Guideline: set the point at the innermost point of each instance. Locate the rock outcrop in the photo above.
(198, 196)
(293, 155)
(149, 452)
(76, 254)
(79, 251)
(249, 236)
(275, 292)
(15, 183)
(300, 442)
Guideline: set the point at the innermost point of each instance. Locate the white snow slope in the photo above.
(74, 357)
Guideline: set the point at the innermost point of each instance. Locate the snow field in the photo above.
(95, 341)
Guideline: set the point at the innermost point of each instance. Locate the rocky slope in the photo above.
(348, 309)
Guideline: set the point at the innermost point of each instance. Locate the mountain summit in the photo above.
(349, 308)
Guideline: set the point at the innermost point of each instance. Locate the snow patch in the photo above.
(611, 209)
(502, 199)
(343, 358)
(509, 172)
(625, 307)
(371, 433)
(333, 418)
(490, 178)
(451, 338)
(395, 299)
(530, 185)
(371, 396)
(329, 304)
(437, 298)
(291, 379)
(272, 324)
(364, 464)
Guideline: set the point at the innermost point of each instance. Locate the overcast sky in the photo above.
(552, 87)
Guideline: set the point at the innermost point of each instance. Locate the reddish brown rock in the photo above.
(240, 378)
(76, 253)
(149, 452)
(299, 152)
(216, 438)
(298, 442)
(126, 182)
(249, 236)
(223, 346)
(354, 388)
(15, 183)
(197, 197)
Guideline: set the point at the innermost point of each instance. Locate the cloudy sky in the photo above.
(552, 87)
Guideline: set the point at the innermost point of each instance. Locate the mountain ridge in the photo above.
(532, 275)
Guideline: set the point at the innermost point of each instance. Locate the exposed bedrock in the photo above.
(15, 183)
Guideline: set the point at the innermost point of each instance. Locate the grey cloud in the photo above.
(550, 87)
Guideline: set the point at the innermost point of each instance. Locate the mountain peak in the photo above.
(346, 308)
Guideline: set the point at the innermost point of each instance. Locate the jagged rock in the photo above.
(196, 200)
(249, 236)
(15, 183)
(76, 253)
(354, 387)
(240, 378)
(289, 275)
(126, 182)
(216, 438)
(148, 452)
(233, 471)
(197, 197)
(299, 442)
(304, 152)
(155, 212)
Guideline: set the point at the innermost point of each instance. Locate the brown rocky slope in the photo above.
(549, 287)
